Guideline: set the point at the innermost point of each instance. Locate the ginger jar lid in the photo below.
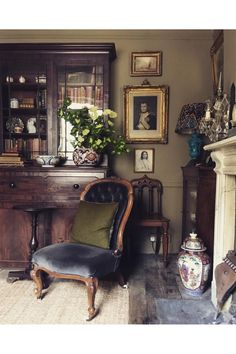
(193, 243)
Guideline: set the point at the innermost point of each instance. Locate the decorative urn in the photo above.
(194, 265)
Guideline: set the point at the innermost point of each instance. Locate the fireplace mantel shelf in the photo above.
(229, 142)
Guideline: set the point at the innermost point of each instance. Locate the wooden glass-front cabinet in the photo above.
(34, 80)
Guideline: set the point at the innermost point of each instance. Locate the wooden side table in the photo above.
(33, 243)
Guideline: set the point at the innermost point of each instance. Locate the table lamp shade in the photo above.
(189, 118)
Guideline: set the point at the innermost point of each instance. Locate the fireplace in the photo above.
(223, 153)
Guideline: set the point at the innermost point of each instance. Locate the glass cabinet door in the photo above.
(84, 85)
(24, 110)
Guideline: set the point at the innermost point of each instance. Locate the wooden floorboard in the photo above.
(150, 280)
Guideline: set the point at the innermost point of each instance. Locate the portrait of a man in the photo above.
(146, 113)
(145, 109)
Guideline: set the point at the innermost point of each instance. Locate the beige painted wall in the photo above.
(187, 72)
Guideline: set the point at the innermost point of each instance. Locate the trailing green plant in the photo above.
(93, 128)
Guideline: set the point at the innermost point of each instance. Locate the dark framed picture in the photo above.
(146, 64)
(143, 160)
(146, 114)
(217, 60)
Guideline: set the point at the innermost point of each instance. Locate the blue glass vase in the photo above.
(195, 144)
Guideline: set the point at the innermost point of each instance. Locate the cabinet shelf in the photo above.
(94, 85)
(24, 135)
(24, 111)
(24, 86)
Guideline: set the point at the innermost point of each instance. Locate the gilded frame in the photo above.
(141, 164)
(156, 98)
(217, 60)
(146, 64)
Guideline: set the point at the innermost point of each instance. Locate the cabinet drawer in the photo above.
(59, 187)
(55, 190)
(15, 190)
(27, 185)
(66, 188)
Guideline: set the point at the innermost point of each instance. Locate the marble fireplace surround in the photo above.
(223, 153)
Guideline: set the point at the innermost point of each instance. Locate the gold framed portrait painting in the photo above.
(146, 114)
(144, 160)
(146, 63)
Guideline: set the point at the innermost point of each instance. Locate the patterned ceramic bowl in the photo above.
(49, 160)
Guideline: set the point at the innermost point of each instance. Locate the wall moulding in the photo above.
(11, 36)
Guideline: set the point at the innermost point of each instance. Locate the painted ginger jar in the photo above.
(194, 265)
(86, 157)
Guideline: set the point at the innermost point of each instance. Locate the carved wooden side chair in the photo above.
(147, 211)
(88, 260)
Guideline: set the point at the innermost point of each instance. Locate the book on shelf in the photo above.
(10, 158)
(80, 94)
(10, 153)
(10, 163)
(11, 146)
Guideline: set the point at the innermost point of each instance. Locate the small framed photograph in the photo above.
(146, 64)
(143, 160)
(146, 114)
(217, 58)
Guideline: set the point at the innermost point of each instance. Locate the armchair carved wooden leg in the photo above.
(36, 275)
(92, 285)
(165, 242)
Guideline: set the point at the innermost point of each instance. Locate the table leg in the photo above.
(33, 245)
(165, 242)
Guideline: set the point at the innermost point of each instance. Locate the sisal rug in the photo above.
(65, 302)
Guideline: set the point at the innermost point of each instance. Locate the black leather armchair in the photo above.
(83, 262)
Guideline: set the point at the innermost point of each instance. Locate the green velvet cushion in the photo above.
(93, 223)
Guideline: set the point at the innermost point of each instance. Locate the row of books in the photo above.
(82, 94)
(29, 148)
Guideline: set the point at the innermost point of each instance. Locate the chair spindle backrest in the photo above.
(147, 197)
